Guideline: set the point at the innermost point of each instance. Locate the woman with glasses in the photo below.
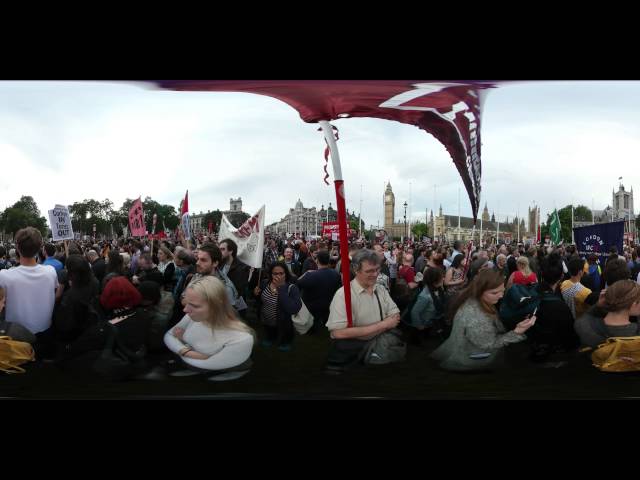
(278, 298)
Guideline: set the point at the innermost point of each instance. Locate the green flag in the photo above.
(554, 228)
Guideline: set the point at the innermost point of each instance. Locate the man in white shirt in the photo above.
(374, 312)
(31, 290)
(373, 309)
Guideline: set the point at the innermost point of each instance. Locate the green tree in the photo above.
(215, 217)
(419, 230)
(166, 213)
(91, 212)
(580, 214)
(23, 213)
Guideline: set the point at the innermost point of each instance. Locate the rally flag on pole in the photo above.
(184, 216)
(136, 219)
(554, 228)
(249, 238)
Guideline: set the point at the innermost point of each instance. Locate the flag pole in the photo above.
(327, 129)
(572, 236)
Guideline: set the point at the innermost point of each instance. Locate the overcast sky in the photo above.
(545, 142)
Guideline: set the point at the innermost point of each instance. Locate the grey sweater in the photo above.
(592, 330)
(474, 332)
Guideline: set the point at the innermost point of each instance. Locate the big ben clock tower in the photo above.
(389, 207)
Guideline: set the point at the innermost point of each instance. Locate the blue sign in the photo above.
(599, 238)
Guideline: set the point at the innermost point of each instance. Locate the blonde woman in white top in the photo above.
(210, 337)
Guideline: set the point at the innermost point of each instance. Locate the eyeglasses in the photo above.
(369, 272)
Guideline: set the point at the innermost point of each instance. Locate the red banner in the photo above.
(136, 219)
(331, 230)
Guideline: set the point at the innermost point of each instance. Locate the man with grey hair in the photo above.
(374, 312)
(98, 266)
(501, 266)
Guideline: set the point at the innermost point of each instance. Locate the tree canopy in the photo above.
(23, 213)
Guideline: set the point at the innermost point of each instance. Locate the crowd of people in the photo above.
(145, 309)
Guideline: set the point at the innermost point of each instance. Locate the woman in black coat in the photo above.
(71, 314)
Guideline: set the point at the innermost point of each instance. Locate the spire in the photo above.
(440, 210)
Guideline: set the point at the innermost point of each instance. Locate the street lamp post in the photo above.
(405, 219)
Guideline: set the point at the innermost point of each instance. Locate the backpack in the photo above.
(387, 347)
(618, 354)
(518, 302)
(13, 354)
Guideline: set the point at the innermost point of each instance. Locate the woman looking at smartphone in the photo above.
(478, 336)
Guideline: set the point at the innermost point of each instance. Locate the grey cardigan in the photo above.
(474, 333)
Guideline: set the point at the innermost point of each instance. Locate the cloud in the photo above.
(548, 142)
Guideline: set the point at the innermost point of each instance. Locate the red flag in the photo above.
(450, 111)
(184, 216)
(185, 204)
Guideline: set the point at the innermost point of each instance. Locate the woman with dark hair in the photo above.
(115, 267)
(71, 314)
(277, 299)
(430, 304)
(478, 336)
(454, 279)
(167, 267)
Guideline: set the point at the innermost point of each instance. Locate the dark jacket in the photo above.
(99, 267)
(71, 315)
(296, 267)
(318, 288)
(169, 274)
(239, 276)
(152, 275)
(554, 322)
(309, 264)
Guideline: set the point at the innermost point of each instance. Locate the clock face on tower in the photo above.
(388, 198)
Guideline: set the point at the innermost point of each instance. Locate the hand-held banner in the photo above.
(136, 219)
(249, 238)
(599, 238)
(60, 222)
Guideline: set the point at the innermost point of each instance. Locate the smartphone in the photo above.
(479, 356)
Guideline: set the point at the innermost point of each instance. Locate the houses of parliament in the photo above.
(446, 226)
